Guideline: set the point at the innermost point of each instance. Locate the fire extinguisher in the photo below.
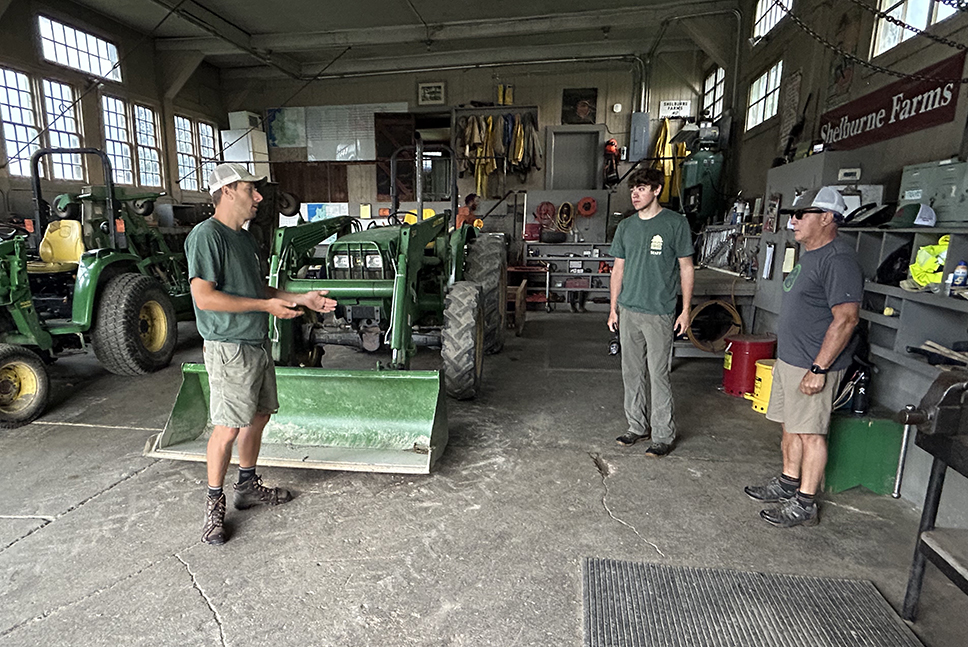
(611, 163)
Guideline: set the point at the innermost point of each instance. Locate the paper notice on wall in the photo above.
(344, 133)
(313, 211)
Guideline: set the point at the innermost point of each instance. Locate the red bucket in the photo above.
(739, 361)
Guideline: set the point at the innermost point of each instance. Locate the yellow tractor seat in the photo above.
(61, 248)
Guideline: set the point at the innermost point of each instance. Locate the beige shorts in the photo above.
(242, 382)
(799, 413)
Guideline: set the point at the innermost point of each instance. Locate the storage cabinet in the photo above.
(568, 268)
(896, 318)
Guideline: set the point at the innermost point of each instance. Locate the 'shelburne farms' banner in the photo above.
(900, 108)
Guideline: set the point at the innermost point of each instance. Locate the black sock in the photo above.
(246, 473)
(789, 484)
(806, 500)
(214, 492)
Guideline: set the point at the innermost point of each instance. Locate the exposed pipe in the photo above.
(735, 71)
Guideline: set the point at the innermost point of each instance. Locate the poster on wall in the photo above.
(286, 127)
(578, 106)
(846, 39)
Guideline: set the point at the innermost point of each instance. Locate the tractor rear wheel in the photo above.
(487, 264)
(136, 329)
(462, 340)
(24, 386)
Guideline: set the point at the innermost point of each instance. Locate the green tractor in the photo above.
(99, 275)
(399, 287)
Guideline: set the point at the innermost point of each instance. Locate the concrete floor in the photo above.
(99, 545)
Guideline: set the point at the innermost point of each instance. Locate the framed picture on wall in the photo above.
(578, 106)
(430, 94)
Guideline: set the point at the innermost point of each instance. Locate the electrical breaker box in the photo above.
(942, 185)
(639, 136)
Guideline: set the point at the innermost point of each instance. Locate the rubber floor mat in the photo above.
(629, 604)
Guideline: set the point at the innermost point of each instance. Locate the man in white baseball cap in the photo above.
(232, 302)
(229, 173)
(818, 314)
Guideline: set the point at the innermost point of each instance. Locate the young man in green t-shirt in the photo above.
(653, 258)
(231, 303)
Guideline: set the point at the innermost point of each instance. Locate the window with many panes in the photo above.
(117, 139)
(187, 157)
(149, 151)
(79, 50)
(198, 154)
(712, 94)
(62, 129)
(208, 149)
(768, 13)
(917, 13)
(764, 96)
(20, 132)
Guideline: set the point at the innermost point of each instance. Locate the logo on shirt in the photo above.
(791, 278)
(656, 246)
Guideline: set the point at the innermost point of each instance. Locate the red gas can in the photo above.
(739, 361)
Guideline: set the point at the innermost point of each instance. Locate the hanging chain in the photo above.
(856, 59)
(903, 25)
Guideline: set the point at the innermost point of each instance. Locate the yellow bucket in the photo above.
(762, 385)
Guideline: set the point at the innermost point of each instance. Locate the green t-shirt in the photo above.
(230, 259)
(651, 249)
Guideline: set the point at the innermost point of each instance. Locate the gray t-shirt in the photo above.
(824, 277)
(230, 259)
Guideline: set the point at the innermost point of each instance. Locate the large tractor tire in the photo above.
(487, 265)
(462, 340)
(136, 330)
(24, 386)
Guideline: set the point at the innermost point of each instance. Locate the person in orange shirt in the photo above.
(466, 215)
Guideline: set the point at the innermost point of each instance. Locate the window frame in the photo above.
(193, 154)
(114, 73)
(767, 15)
(128, 141)
(882, 27)
(770, 97)
(718, 92)
(33, 140)
(54, 162)
(141, 147)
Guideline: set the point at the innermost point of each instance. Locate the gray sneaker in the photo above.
(213, 532)
(772, 492)
(792, 513)
(252, 492)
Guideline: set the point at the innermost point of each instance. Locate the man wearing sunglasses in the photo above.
(818, 315)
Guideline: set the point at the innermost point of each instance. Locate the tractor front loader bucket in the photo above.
(363, 421)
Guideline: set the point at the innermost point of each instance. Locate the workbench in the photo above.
(946, 548)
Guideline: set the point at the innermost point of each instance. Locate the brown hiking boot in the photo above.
(213, 532)
(252, 492)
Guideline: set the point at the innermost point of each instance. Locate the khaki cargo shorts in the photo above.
(242, 382)
(799, 413)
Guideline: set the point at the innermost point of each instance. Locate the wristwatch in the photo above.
(817, 370)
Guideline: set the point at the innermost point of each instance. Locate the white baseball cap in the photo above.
(826, 198)
(228, 173)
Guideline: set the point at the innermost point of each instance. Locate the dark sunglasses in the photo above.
(800, 214)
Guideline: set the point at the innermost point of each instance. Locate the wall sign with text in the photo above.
(903, 107)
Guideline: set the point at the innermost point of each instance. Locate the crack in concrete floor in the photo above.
(208, 601)
(605, 470)
(49, 520)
